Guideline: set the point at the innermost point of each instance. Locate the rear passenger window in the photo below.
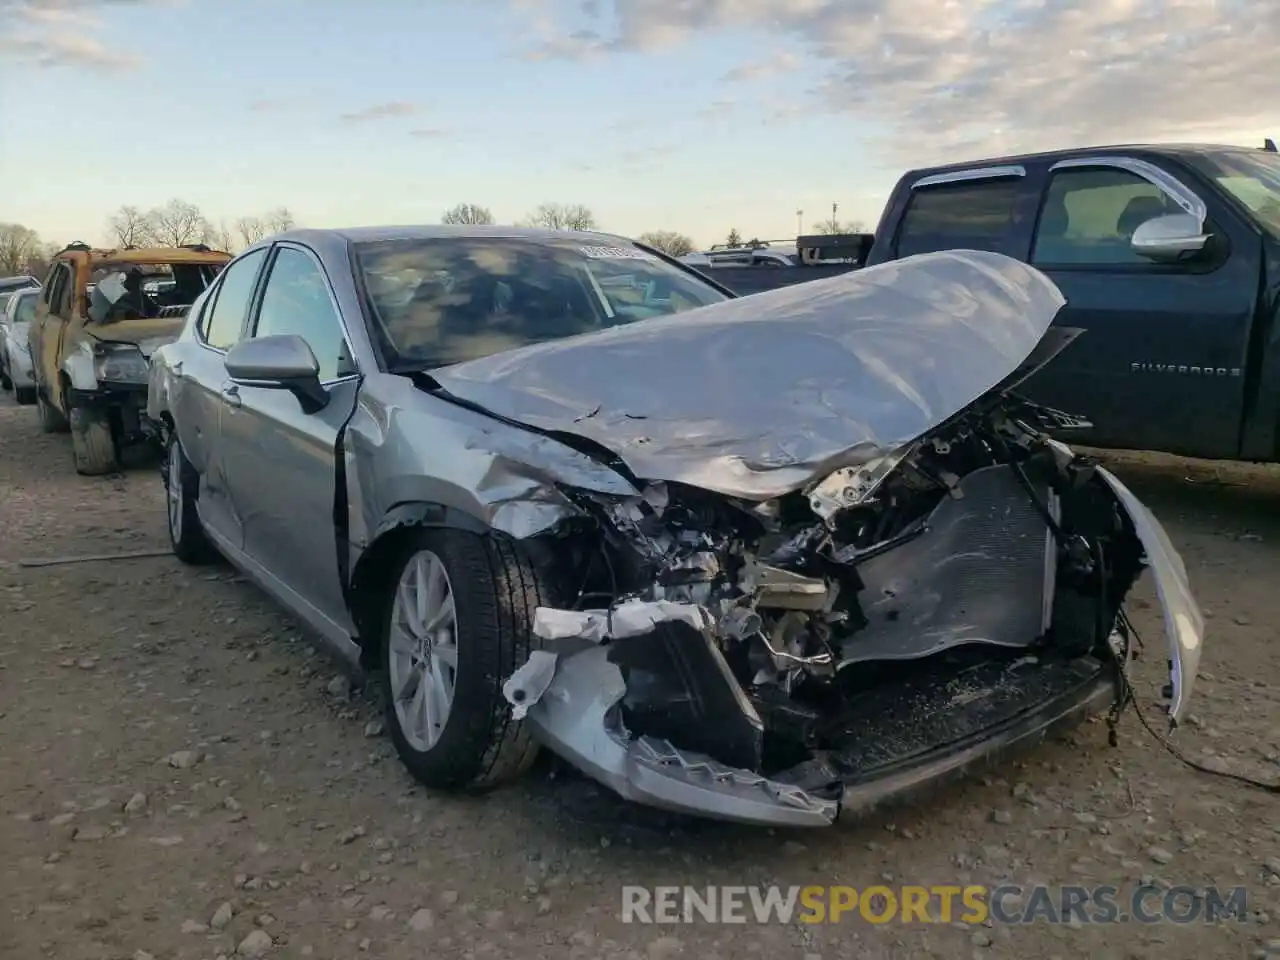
(1089, 216)
(223, 322)
(970, 215)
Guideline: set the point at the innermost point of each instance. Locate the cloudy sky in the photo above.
(695, 115)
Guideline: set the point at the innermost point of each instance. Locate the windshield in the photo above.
(447, 300)
(1252, 178)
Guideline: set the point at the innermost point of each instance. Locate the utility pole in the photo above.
(799, 222)
(835, 224)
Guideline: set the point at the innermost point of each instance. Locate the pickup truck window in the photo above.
(1252, 178)
(970, 214)
(1089, 216)
(59, 291)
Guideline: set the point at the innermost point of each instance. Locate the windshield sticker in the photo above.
(615, 253)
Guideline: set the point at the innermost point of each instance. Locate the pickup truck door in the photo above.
(1162, 364)
(280, 459)
(52, 315)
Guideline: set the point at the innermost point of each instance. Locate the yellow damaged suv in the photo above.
(101, 315)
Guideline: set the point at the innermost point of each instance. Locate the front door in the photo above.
(1161, 365)
(53, 314)
(281, 461)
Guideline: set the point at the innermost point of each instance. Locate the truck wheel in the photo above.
(456, 622)
(181, 484)
(5, 382)
(93, 444)
(25, 396)
(51, 421)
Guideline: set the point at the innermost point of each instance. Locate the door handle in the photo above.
(231, 394)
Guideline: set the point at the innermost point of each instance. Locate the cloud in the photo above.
(390, 110)
(429, 133)
(986, 76)
(763, 69)
(56, 33)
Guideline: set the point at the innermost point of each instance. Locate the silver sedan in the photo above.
(15, 357)
(767, 559)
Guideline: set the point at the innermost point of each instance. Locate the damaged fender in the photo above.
(509, 480)
(1183, 621)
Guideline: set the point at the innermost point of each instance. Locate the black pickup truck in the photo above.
(1169, 258)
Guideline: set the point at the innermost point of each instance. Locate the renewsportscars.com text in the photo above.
(970, 904)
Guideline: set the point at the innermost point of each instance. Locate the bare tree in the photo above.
(221, 238)
(131, 227)
(831, 226)
(19, 245)
(669, 242)
(251, 230)
(562, 216)
(734, 239)
(179, 223)
(467, 213)
(279, 220)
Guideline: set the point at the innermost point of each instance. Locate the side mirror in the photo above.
(282, 362)
(1170, 238)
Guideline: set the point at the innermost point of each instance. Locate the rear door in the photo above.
(1161, 366)
(198, 400)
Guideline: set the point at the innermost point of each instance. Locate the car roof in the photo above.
(440, 231)
(1102, 150)
(142, 255)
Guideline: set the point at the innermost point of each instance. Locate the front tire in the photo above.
(51, 421)
(25, 396)
(457, 621)
(93, 443)
(181, 483)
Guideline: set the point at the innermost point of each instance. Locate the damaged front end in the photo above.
(895, 621)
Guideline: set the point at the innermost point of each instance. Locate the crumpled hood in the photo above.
(147, 333)
(755, 396)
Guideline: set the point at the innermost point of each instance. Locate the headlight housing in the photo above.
(119, 363)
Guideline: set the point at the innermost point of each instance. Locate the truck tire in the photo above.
(51, 421)
(473, 743)
(93, 443)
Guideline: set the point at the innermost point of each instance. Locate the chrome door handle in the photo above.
(231, 394)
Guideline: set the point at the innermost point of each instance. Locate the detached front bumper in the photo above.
(109, 395)
(576, 717)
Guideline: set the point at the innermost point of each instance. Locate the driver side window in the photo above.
(297, 301)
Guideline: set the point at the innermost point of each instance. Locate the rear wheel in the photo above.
(94, 444)
(186, 535)
(25, 396)
(457, 618)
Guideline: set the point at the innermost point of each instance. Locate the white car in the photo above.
(15, 358)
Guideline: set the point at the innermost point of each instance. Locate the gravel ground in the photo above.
(181, 776)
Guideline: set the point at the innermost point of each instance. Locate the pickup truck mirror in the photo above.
(283, 362)
(1169, 238)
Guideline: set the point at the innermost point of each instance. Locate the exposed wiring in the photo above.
(1128, 695)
